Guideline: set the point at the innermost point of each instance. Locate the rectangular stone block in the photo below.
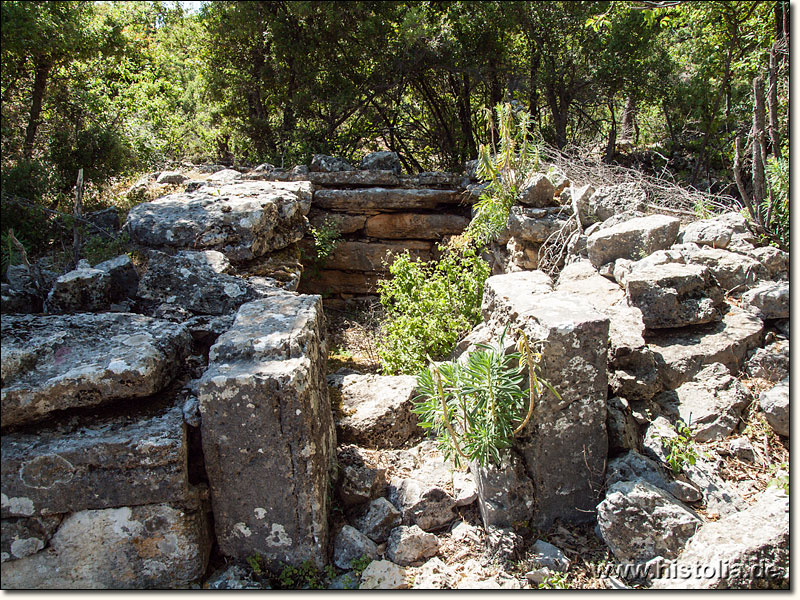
(379, 199)
(115, 462)
(565, 445)
(335, 178)
(374, 256)
(331, 281)
(415, 226)
(268, 435)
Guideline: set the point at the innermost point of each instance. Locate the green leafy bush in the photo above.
(326, 237)
(476, 407)
(429, 305)
(680, 448)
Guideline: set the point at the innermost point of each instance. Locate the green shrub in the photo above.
(680, 448)
(476, 406)
(776, 205)
(429, 305)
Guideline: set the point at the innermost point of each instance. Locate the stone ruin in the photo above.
(148, 416)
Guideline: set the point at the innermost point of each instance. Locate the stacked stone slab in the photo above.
(268, 435)
(379, 214)
(100, 496)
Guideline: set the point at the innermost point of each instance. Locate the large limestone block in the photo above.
(770, 300)
(242, 220)
(124, 461)
(398, 226)
(80, 290)
(775, 404)
(378, 199)
(56, 362)
(633, 239)
(639, 521)
(534, 225)
(140, 547)
(745, 550)
(732, 270)
(343, 223)
(565, 445)
(268, 436)
(334, 179)
(193, 284)
(24, 536)
(673, 295)
(368, 256)
(381, 161)
(681, 354)
(711, 404)
(538, 192)
(632, 372)
(376, 410)
(610, 200)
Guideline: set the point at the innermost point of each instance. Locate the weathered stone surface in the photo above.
(534, 225)
(465, 490)
(27, 288)
(376, 410)
(383, 575)
(224, 176)
(409, 545)
(381, 517)
(124, 278)
(435, 178)
(565, 445)
(769, 300)
(680, 355)
(632, 372)
(233, 577)
(608, 201)
(360, 479)
(673, 295)
(547, 555)
(433, 575)
(747, 550)
(350, 544)
(633, 466)
(207, 259)
(81, 290)
(623, 432)
(23, 536)
(377, 199)
(397, 226)
(343, 223)
(775, 404)
(732, 270)
(171, 178)
(205, 329)
(719, 497)
(506, 494)
(424, 502)
(333, 179)
(373, 256)
(711, 404)
(639, 521)
(140, 547)
(55, 362)
(194, 285)
(708, 232)
(266, 417)
(579, 200)
(117, 462)
(633, 239)
(775, 261)
(538, 192)
(242, 220)
(381, 161)
(329, 164)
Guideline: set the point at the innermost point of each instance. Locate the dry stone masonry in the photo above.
(172, 417)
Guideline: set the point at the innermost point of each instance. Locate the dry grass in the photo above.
(353, 328)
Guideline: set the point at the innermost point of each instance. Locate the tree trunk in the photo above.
(42, 72)
(737, 173)
(612, 134)
(628, 119)
(772, 100)
(759, 143)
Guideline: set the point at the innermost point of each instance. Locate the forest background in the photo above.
(120, 88)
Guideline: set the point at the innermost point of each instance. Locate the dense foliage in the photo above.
(116, 88)
(430, 305)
